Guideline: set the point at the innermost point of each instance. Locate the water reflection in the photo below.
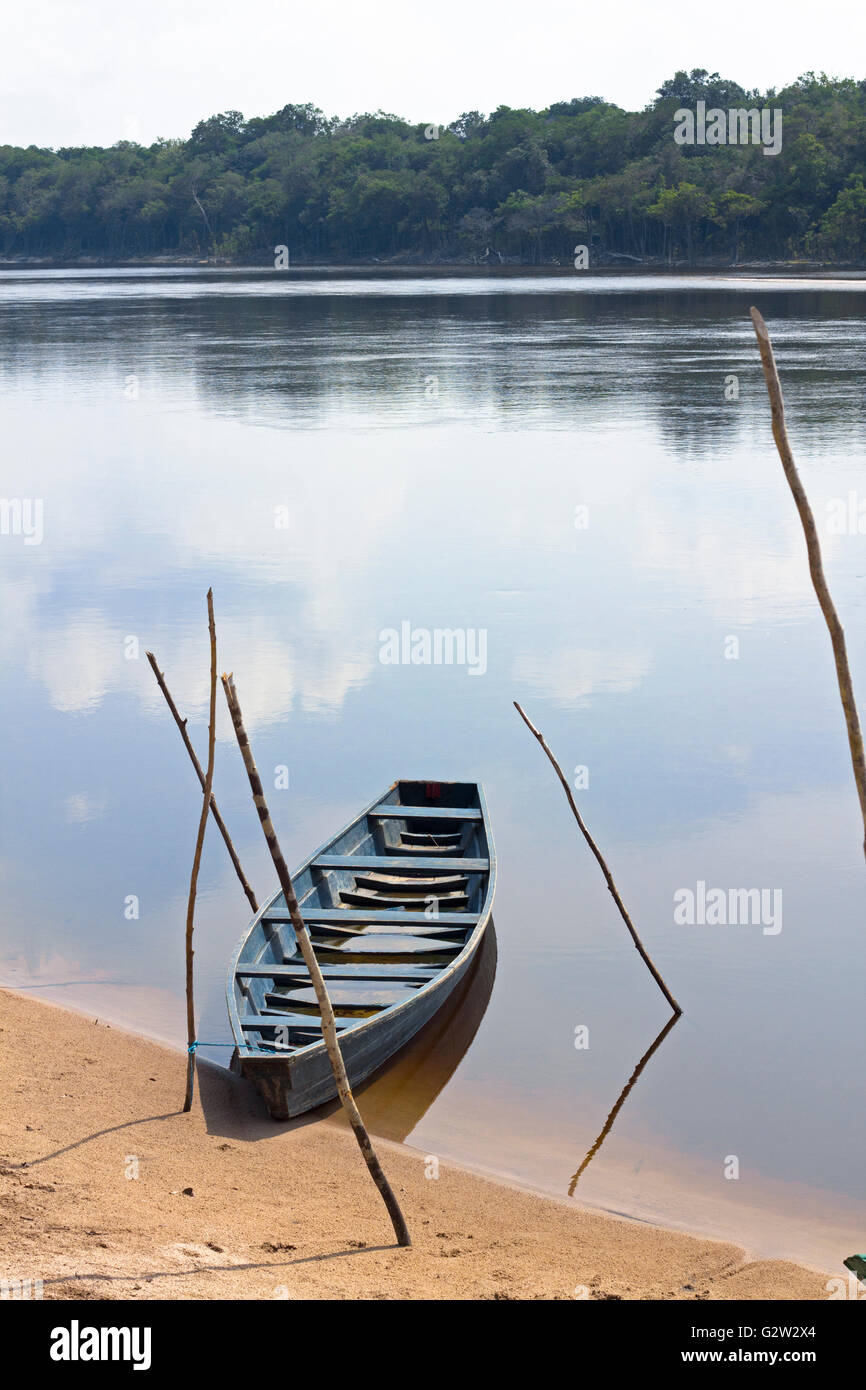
(396, 1099)
(623, 1095)
(314, 356)
(430, 445)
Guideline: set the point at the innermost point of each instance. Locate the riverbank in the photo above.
(433, 268)
(109, 1192)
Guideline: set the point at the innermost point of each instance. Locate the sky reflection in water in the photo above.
(430, 442)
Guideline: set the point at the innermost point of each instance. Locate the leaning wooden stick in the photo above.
(181, 724)
(603, 866)
(816, 567)
(199, 843)
(329, 1027)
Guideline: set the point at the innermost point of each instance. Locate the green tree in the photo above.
(843, 226)
(681, 209)
(735, 209)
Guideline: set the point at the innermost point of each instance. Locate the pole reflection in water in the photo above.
(608, 1124)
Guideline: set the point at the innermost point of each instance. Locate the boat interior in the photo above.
(389, 903)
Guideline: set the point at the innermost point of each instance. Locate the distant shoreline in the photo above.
(817, 270)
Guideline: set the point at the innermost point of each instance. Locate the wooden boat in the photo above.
(396, 905)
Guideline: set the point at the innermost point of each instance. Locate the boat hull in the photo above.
(366, 899)
(300, 1083)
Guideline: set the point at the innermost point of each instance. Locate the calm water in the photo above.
(428, 444)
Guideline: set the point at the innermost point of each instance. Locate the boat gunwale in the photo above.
(247, 1054)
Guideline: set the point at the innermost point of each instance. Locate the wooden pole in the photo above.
(605, 870)
(329, 1027)
(199, 843)
(181, 724)
(816, 566)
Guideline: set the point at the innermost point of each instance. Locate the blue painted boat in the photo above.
(396, 905)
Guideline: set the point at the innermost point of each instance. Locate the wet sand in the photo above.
(110, 1192)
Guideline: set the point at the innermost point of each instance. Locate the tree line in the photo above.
(517, 186)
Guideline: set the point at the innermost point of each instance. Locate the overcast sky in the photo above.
(97, 71)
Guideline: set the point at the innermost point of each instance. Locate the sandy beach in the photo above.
(110, 1192)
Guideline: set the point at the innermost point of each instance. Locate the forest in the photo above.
(517, 186)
